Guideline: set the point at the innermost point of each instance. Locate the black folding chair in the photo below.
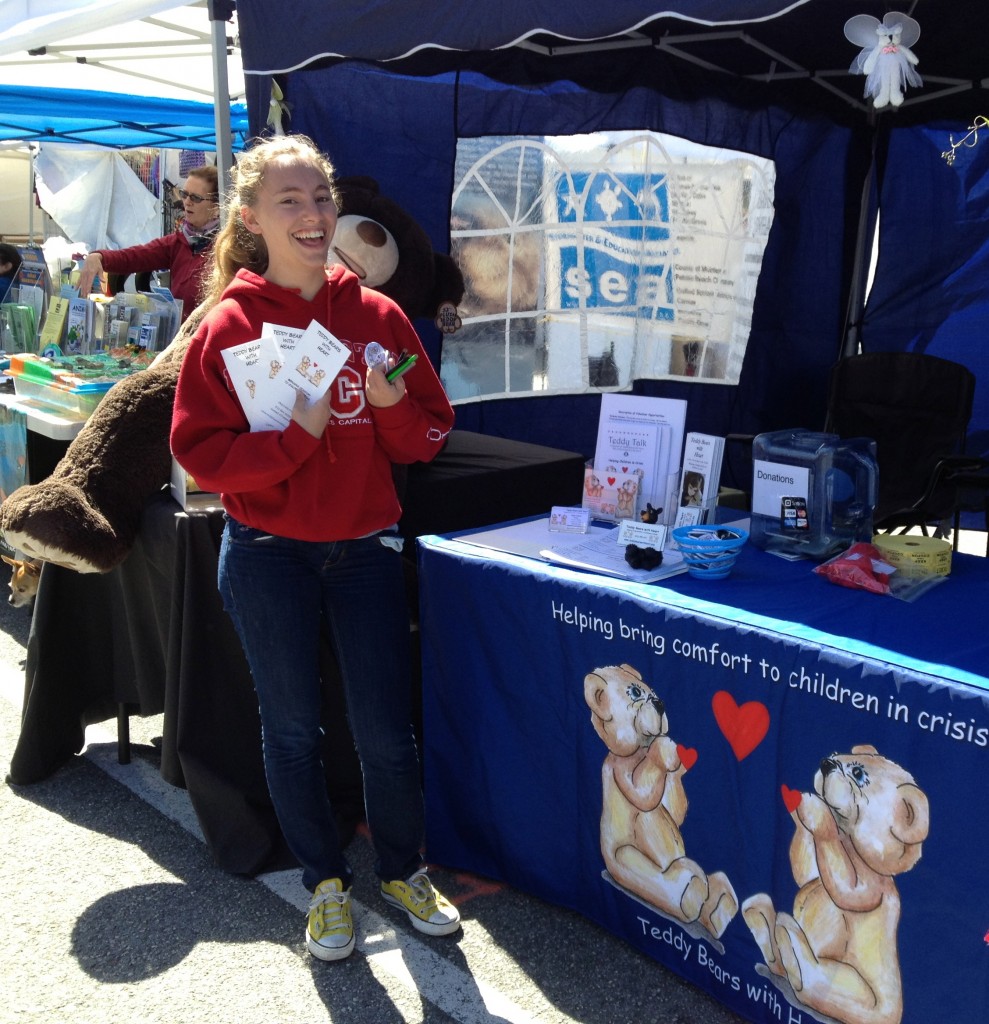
(916, 407)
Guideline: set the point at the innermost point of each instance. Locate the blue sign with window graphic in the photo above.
(618, 257)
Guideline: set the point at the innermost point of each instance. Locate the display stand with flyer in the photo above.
(637, 457)
(87, 325)
(26, 302)
(700, 478)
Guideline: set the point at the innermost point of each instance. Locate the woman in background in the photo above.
(186, 253)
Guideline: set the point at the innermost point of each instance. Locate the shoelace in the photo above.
(425, 894)
(332, 917)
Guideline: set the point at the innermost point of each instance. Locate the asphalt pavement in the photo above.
(112, 911)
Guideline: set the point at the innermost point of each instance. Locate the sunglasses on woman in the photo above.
(192, 197)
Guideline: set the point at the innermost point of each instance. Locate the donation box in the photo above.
(813, 494)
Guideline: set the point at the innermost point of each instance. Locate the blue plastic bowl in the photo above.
(710, 551)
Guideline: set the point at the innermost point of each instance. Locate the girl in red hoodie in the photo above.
(311, 512)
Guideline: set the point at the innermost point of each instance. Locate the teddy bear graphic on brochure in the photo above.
(644, 804)
(836, 954)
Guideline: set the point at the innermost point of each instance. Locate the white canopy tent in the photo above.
(151, 50)
(158, 48)
(161, 48)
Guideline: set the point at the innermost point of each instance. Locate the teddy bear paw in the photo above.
(54, 522)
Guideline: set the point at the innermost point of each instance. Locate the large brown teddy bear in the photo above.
(863, 825)
(87, 514)
(644, 804)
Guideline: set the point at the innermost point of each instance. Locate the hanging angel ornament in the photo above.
(886, 60)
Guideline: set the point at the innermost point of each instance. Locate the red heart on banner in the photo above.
(624, 469)
(611, 481)
(687, 755)
(791, 798)
(744, 727)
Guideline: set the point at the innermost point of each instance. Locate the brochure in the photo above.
(700, 478)
(79, 326)
(31, 286)
(53, 331)
(17, 328)
(640, 437)
(627, 467)
(267, 378)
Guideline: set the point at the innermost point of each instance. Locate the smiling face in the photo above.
(294, 212)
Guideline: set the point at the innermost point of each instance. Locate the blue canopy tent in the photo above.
(113, 120)
(388, 89)
(160, 78)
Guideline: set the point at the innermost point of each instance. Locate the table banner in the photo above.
(799, 831)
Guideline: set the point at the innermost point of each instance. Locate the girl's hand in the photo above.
(380, 393)
(312, 418)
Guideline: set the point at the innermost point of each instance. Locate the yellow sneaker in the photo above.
(330, 929)
(428, 910)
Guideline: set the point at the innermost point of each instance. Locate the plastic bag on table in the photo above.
(863, 567)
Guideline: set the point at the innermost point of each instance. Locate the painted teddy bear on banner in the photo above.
(87, 514)
(644, 804)
(863, 825)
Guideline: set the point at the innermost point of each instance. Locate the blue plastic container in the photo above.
(709, 551)
(813, 494)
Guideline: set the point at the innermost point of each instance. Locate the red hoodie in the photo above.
(335, 487)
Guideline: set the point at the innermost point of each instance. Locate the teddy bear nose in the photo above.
(658, 704)
(828, 765)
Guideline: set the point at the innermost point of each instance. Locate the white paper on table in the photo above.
(528, 537)
(602, 554)
(596, 551)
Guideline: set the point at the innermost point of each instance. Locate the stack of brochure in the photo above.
(270, 371)
(636, 459)
(30, 288)
(700, 479)
(86, 325)
(146, 320)
(18, 329)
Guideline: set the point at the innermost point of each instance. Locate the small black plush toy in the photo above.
(642, 558)
(650, 514)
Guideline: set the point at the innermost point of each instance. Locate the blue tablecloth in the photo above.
(766, 679)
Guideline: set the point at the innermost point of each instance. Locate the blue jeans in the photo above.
(275, 590)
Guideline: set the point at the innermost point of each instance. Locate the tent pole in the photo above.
(863, 249)
(219, 12)
(30, 197)
(864, 241)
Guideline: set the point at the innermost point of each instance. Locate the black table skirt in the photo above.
(153, 634)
